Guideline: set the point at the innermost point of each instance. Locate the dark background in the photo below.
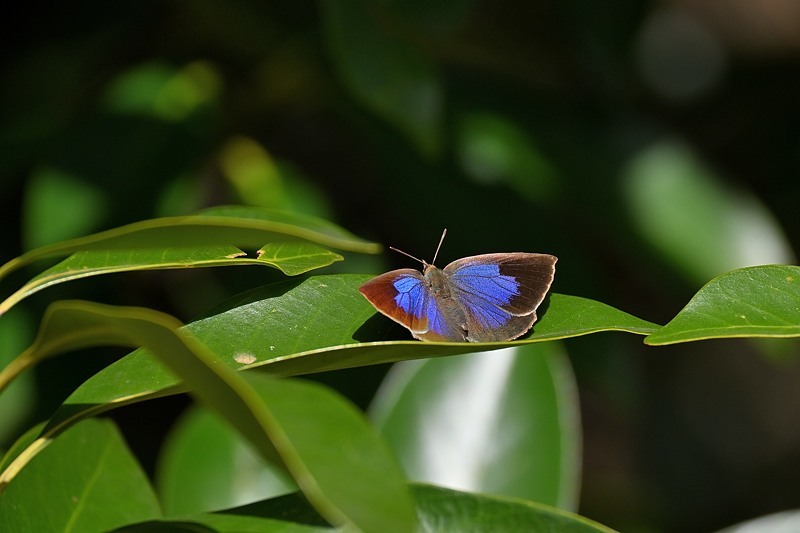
(649, 145)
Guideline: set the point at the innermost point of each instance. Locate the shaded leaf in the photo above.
(504, 423)
(86, 480)
(205, 465)
(762, 301)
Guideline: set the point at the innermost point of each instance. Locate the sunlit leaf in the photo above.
(319, 324)
(221, 226)
(288, 328)
(761, 301)
(291, 258)
(503, 423)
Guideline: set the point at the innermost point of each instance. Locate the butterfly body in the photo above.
(482, 298)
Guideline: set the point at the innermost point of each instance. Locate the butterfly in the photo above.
(482, 298)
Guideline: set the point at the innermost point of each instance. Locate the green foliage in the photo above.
(614, 138)
(317, 324)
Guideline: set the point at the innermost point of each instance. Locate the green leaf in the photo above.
(48, 218)
(17, 403)
(448, 510)
(206, 465)
(330, 450)
(695, 219)
(291, 258)
(318, 324)
(438, 510)
(87, 480)
(783, 522)
(299, 327)
(504, 423)
(397, 81)
(288, 328)
(762, 301)
(221, 226)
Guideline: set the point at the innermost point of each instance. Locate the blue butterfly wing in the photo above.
(500, 293)
(405, 296)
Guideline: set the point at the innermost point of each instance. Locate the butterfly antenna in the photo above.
(408, 255)
(440, 245)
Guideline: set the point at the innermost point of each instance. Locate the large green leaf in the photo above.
(87, 480)
(438, 510)
(762, 301)
(205, 465)
(221, 226)
(334, 454)
(318, 324)
(291, 258)
(331, 451)
(287, 328)
(504, 423)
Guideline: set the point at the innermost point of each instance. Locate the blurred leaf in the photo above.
(291, 258)
(253, 173)
(492, 149)
(261, 180)
(17, 402)
(504, 423)
(23, 443)
(338, 460)
(689, 215)
(205, 465)
(785, 522)
(86, 480)
(49, 218)
(432, 17)
(398, 82)
(762, 301)
(438, 510)
(227, 225)
(160, 90)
